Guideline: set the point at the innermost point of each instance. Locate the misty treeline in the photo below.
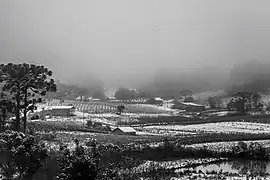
(71, 92)
(253, 76)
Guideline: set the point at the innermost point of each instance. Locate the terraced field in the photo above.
(222, 127)
(108, 107)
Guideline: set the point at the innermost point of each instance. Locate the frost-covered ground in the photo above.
(201, 176)
(226, 146)
(223, 127)
(178, 163)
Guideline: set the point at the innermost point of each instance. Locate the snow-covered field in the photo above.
(223, 127)
(226, 146)
(175, 164)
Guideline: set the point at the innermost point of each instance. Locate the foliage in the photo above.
(78, 164)
(239, 102)
(143, 94)
(214, 102)
(89, 123)
(124, 94)
(7, 108)
(120, 109)
(186, 92)
(189, 99)
(246, 101)
(21, 154)
(99, 94)
(253, 151)
(26, 83)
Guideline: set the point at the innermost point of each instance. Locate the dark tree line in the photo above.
(71, 92)
(246, 101)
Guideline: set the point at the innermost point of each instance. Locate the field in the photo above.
(110, 107)
(164, 142)
(223, 127)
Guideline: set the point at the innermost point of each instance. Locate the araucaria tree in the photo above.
(26, 84)
(7, 108)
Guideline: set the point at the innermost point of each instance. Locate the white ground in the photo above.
(223, 127)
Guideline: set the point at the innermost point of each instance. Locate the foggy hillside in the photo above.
(154, 45)
(253, 76)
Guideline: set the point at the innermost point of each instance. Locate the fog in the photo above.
(133, 43)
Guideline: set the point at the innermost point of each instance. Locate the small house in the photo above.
(156, 101)
(80, 98)
(189, 107)
(192, 107)
(124, 131)
(169, 103)
(62, 110)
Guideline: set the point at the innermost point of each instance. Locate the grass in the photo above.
(181, 120)
(49, 126)
(64, 136)
(106, 138)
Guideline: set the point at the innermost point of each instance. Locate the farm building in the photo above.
(124, 131)
(168, 103)
(224, 101)
(81, 98)
(62, 110)
(156, 100)
(189, 107)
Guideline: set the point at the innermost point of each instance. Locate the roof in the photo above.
(125, 129)
(158, 99)
(192, 104)
(62, 107)
(170, 101)
(80, 97)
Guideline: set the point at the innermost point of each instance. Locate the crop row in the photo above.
(111, 107)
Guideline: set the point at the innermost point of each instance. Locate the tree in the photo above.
(82, 92)
(120, 109)
(186, 92)
(99, 94)
(189, 99)
(27, 84)
(212, 102)
(7, 107)
(143, 94)
(255, 98)
(124, 94)
(240, 101)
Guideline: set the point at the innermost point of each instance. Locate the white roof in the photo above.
(191, 104)
(158, 99)
(170, 100)
(61, 107)
(126, 129)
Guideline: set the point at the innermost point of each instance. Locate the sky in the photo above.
(129, 41)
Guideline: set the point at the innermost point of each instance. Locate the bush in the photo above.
(21, 154)
(89, 123)
(78, 164)
(253, 151)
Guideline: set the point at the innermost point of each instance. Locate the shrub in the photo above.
(21, 154)
(253, 151)
(89, 123)
(78, 164)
